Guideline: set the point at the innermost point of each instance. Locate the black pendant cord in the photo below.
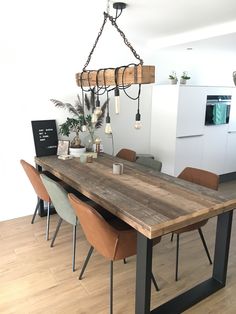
(127, 43)
(100, 88)
(123, 75)
(108, 119)
(138, 106)
(108, 109)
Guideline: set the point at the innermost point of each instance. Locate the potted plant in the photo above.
(184, 78)
(81, 121)
(234, 77)
(173, 78)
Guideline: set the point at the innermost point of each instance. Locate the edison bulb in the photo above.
(117, 104)
(94, 118)
(108, 129)
(84, 128)
(98, 111)
(117, 100)
(137, 124)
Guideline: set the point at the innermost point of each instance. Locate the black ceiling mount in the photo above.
(119, 5)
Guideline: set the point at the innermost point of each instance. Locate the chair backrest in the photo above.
(34, 177)
(99, 233)
(201, 177)
(127, 154)
(150, 163)
(59, 198)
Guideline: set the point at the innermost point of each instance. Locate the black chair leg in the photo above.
(154, 282)
(172, 236)
(124, 260)
(57, 229)
(35, 211)
(177, 258)
(205, 245)
(111, 287)
(86, 262)
(74, 247)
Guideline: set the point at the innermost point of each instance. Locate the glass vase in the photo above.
(89, 140)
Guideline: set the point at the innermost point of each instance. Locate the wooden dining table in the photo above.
(154, 204)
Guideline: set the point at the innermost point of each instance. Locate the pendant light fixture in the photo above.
(117, 100)
(115, 79)
(137, 123)
(98, 110)
(84, 127)
(108, 129)
(117, 93)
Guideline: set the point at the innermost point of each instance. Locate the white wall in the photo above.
(43, 44)
(206, 67)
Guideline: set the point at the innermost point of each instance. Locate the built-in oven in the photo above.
(217, 109)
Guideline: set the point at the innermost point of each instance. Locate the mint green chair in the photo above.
(59, 198)
(150, 163)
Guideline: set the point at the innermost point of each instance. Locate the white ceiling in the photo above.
(163, 23)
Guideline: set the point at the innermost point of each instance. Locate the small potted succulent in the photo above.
(184, 78)
(234, 77)
(173, 78)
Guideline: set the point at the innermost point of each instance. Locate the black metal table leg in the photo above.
(143, 274)
(222, 243)
(194, 295)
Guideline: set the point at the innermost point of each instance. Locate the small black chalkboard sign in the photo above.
(45, 137)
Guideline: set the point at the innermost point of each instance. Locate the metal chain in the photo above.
(95, 44)
(128, 44)
(113, 22)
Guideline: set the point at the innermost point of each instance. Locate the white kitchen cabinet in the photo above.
(230, 160)
(214, 148)
(189, 152)
(191, 111)
(179, 136)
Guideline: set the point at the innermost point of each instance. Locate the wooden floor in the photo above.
(35, 278)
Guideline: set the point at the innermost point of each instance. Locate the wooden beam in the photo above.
(137, 74)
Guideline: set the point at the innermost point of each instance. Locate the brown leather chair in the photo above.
(127, 154)
(40, 190)
(204, 178)
(113, 239)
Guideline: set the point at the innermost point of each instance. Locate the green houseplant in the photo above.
(184, 78)
(173, 78)
(234, 77)
(81, 119)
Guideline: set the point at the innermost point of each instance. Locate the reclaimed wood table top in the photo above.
(153, 203)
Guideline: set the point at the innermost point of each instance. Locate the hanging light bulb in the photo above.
(98, 110)
(108, 129)
(137, 123)
(117, 100)
(84, 128)
(94, 118)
